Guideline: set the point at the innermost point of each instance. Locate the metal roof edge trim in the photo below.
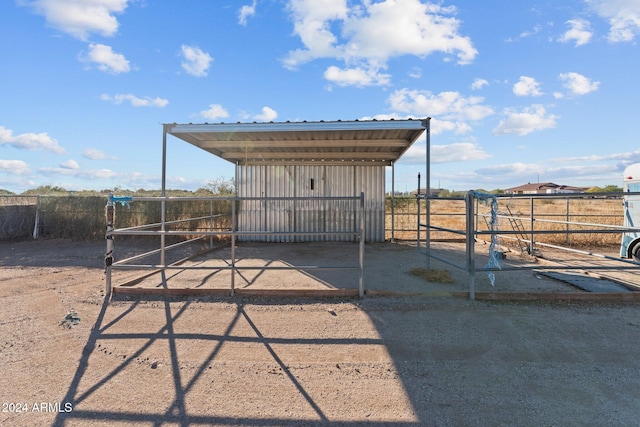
(408, 124)
(332, 162)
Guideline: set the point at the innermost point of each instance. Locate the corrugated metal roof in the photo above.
(334, 142)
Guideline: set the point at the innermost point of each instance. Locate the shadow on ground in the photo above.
(375, 362)
(412, 360)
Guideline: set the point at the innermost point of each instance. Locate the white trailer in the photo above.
(630, 247)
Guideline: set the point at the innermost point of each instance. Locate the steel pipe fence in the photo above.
(525, 229)
(354, 229)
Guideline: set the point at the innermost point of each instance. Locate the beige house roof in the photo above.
(544, 187)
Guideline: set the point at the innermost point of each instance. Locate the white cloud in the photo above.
(511, 170)
(80, 18)
(623, 17)
(521, 173)
(450, 110)
(458, 127)
(415, 73)
(406, 27)
(529, 119)
(629, 156)
(527, 86)
(195, 61)
(366, 36)
(268, 114)
(312, 21)
(392, 116)
(14, 167)
(591, 171)
(245, 12)
(580, 32)
(135, 101)
(106, 59)
(536, 30)
(560, 170)
(93, 154)
(578, 84)
(358, 77)
(70, 164)
(457, 152)
(215, 111)
(479, 84)
(90, 174)
(30, 141)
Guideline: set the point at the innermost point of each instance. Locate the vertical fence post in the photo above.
(163, 203)
(393, 203)
(211, 224)
(110, 213)
(427, 231)
(566, 242)
(470, 244)
(163, 228)
(233, 245)
(477, 207)
(418, 202)
(531, 243)
(36, 226)
(362, 239)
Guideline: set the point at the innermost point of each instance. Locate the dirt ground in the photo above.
(421, 357)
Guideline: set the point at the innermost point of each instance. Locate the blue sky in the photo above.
(519, 91)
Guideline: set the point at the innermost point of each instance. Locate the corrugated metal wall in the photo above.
(311, 215)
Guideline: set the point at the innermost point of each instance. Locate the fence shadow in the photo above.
(420, 361)
(88, 391)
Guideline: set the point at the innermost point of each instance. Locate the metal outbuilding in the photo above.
(278, 163)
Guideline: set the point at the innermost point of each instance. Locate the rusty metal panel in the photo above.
(316, 215)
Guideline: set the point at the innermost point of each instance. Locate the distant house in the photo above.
(544, 188)
(423, 191)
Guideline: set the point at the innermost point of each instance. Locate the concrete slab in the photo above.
(332, 266)
(586, 282)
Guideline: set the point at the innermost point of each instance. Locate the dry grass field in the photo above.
(82, 217)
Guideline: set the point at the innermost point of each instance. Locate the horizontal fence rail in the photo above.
(225, 226)
(493, 217)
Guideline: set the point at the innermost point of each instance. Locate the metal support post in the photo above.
(110, 214)
(163, 203)
(233, 245)
(428, 228)
(477, 207)
(418, 202)
(211, 224)
(235, 204)
(36, 225)
(393, 202)
(566, 242)
(470, 246)
(428, 193)
(531, 251)
(362, 239)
